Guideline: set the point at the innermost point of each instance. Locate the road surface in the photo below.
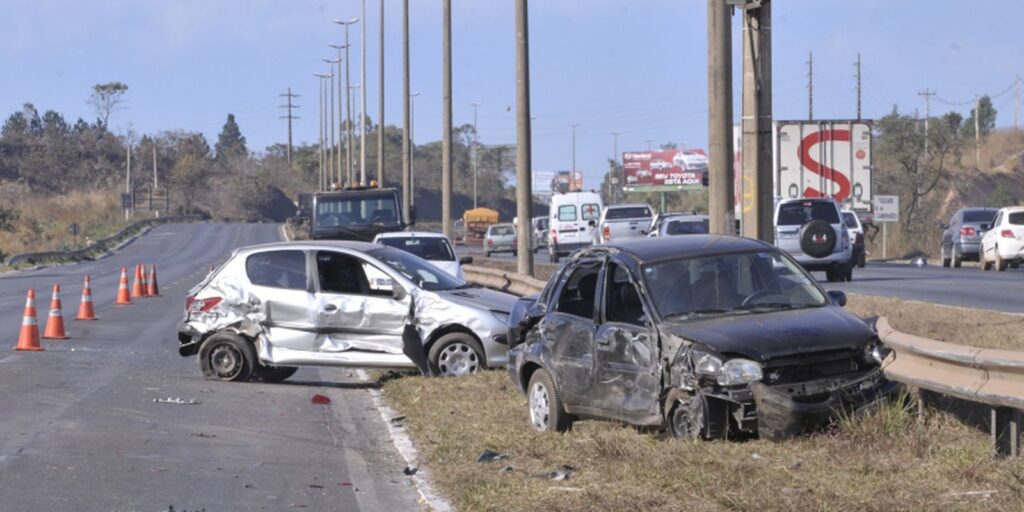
(82, 430)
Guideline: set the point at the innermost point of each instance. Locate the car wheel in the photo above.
(945, 260)
(831, 276)
(862, 260)
(1000, 262)
(274, 373)
(546, 411)
(515, 254)
(847, 274)
(456, 354)
(553, 256)
(983, 264)
(957, 260)
(227, 356)
(687, 419)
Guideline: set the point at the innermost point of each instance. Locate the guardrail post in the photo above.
(1006, 423)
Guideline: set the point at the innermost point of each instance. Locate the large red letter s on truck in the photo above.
(824, 171)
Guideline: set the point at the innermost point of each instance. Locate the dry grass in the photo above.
(43, 221)
(884, 461)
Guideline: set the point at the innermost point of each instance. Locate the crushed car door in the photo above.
(357, 309)
(281, 289)
(569, 330)
(628, 383)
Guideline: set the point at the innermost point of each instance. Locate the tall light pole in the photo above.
(720, 177)
(348, 103)
(524, 192)
(380, 108)
(476, 150)
(446, 119)
(412, 148)
(320, 82)
(406, 119)
(573, 177)
(341, 113)
(331, 161)
(362, 109)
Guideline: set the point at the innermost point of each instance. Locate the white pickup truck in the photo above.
(623, 221)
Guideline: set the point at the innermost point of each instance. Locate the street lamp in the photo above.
(321, 76)
(476, 149)
(330, 166)
(348, 102)
(341, 116)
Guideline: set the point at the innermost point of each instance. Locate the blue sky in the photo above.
(632, 66)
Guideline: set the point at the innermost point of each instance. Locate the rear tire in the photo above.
(983, 264)
(274, 373)
(945, 260)
(862, 260)
(831, 276)
(1000, 262)
(957, 259)
(456, 354)
(226, 356)
(547, 414)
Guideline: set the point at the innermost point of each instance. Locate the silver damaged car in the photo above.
(271, 308)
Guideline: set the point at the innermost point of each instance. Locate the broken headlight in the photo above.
(875, 352)
(707, 364)
(739, 371)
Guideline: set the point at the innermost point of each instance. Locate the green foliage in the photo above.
(230, 143)
(1002, 196)
(986, 119)
(106, 99)
(7, 217)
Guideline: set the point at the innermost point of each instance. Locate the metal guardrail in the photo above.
(510, 282)
(98, 247)
(988, 376)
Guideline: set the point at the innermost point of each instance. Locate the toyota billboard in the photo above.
(667, 169)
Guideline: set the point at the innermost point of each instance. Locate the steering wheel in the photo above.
(756, 295)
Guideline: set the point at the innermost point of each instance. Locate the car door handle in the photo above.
(330, 308)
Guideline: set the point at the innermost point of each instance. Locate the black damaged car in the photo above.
(706, 336)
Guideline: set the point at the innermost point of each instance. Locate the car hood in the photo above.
(766, 336)
(451, 267)
(481, 298)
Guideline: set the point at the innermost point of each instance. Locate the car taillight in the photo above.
(967, 231)
(515, 241)
(490, 242)
(607, 232)
(193, 305)
(1006, 233)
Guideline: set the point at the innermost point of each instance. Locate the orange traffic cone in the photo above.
(28, 339)
(154, 289)
(85, 311)
(55, 321)
(123, 298)
(137, 289)
(145, 280)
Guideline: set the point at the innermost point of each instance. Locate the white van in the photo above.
(573, 224)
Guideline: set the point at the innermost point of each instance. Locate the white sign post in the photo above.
(887, 209)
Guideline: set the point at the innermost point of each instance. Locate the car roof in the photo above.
(411, 234)
(1013, 209)
(979, 209)
(305, 245)
(808, 199)
(655, 249)
(628, 205)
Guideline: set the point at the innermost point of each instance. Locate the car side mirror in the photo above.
(838, 297)
(984, 227)
(397, 292)
(466, 260)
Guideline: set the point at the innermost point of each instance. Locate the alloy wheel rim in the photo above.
(458, 359)
(539, 406)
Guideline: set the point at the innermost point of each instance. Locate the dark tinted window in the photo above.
(341, 273)
(979, 215)
(622, 300)
(687, 227)
(364, 209)
(627, 213)
(434, 249)
(502, 231)
(851, 219)
(279, 269)
(577, 296)
(1016, 218)
(798, 214)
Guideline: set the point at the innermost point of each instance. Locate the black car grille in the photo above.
(813, 366)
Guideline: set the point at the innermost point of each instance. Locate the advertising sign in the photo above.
(887, 208)
(824, 158)
(567, 181)
(667, 169)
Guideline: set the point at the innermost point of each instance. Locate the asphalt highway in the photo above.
(82, 429)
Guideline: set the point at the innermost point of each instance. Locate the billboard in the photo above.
(824, 158)
(667, 169)
(567, 181)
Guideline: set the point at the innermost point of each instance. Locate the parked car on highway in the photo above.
(704, 335)
(574, 217)
(961, 238)
(682, 224)
(433, 247)
(658, 221)
(812, 231)
(271, 308)
(1003, 244)
(623, 221)
(500, 238)
(540, 233)
(857, 233)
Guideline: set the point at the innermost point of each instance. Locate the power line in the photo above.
(290, 106)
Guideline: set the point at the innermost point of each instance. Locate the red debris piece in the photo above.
(320, 399)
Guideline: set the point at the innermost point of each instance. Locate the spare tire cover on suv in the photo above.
(817, 239)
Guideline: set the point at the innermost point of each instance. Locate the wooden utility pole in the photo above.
(720, 171)
(524, 183)
(756, 191)
(406, 121)
(927, 114)
(446, 121)
(810, 86)
(290, 106)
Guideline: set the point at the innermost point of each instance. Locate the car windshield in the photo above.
(730, 284)
(850, 219)
(631, 212)
(1016, 218)
(361, 210)
(979, 215)
(502, 231)
(687, 227)
(417, 270)
(428, 248)
(800, 213)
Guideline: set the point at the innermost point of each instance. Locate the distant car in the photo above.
(813, 232)
(1003, 244)
(658, 221)
(573, 222)
(272, 308)
(500, 238)
(705, 335)
(433, 247)
(622, 221)
(683, 225)
(540, 232)
(961, 238)
(857, 232)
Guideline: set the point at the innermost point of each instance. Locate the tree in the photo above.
(987, 119)
(230, 143)
(106, 99)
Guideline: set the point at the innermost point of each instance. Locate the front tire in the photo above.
(228, 357)
(957, 259)
(456, 354)
(546, 411)
(274, 373)
(945, 260)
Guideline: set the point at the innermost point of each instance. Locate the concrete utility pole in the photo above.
(156, 182)
(341, 114)
(1016, 110)
(810, 85)
(616, 177)
(290, 118)
(977, 131)
(331, 161)
(380, 109)
(406, 119)
(858, 86)
(362, 109)
(348, 104)
(573, 177)
(524, 182)
(320, 151)
(927, 114)
(412, 149)
(446, 120)
(476, 150)
(756, 194)
(720, 175)
(128, 180)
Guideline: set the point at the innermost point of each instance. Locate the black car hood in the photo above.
(766, 336)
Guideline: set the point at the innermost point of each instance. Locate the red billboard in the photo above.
(667, 169)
